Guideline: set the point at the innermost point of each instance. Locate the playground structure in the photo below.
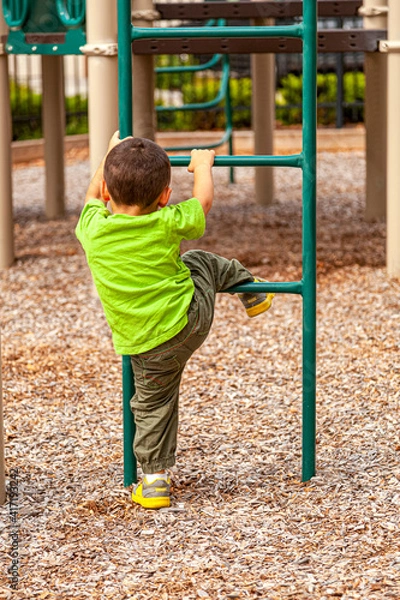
(73, 27)
(102, 51)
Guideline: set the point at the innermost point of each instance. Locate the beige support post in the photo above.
(144, 116)
(6, 211)
(263, 118)
(2, 464)
(53, 115)
(393, 172)
(375, 67)
(101, 49)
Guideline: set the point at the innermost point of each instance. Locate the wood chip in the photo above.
(242, 524)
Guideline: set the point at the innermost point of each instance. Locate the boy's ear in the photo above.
(164, 197)
(105, 195)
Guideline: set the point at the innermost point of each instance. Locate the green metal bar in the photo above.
(309, 237)
(293, 160)
(203, 105)
(225, 138)
(125, 68)
(190, 68)
(289, 31)
(128, 390)
(278, 287)
(125, 129)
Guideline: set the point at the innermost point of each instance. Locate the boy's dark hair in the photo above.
(136, 171)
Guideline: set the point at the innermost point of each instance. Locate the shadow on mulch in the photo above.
(267, 239)
(270, 239)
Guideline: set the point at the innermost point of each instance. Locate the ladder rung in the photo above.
(291, 31)
(278, 287)
(291, 160)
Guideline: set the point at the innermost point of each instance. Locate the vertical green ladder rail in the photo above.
(307, 31)
(128, 389)
(125, 101)
(309, 236)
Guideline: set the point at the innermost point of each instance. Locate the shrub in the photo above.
(201, 90)
(26, 110)
(76, 108)
(289, 98)
(26, 105)
(173, 81)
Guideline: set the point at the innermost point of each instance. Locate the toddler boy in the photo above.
(158, 304)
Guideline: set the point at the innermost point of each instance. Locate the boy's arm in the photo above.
(203, 186)
(94, 189)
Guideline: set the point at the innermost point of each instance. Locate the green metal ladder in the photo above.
(223, 96)
(306, 161)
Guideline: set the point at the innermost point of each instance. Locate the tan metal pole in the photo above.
(101, 48)
(2, 463)
(53, 112)
(6, 211)
(144, 116)
(375, 66)
(393, 172)
(263, 117)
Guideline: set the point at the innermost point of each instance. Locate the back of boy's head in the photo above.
(136, 171)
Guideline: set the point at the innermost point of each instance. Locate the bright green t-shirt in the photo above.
(144, 286)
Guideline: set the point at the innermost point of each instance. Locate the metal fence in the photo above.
(340, 90)
(26, 95)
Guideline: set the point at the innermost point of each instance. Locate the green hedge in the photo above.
(288, 102)
(26, 105)
(26, 109)
(290, 91)
(205, 90)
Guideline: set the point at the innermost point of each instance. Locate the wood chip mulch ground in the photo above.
(242, 524)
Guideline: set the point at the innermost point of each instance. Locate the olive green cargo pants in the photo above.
(158, 372)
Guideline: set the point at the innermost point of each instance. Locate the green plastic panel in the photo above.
(51, 27)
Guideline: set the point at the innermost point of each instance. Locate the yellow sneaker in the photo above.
(152, 495)
(256, 303)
